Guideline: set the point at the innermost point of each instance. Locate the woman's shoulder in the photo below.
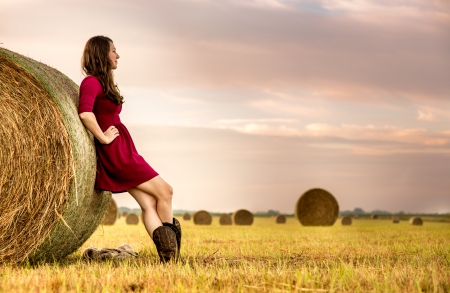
(90, 79)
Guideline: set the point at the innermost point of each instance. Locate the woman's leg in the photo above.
(162, 192)
(148, 206)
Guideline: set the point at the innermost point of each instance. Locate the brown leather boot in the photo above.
(166, 243)
(176, 227)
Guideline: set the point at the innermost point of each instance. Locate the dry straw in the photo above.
(202, 218)
(374, 217)
(132, 219)
(186, 216)
(317, 207)
(48, 204)
(111, 214)
(124, 214)
(416, 221)
(346, 221)
(280, 219)
(225, 220)
(395, 219)
(243, 218)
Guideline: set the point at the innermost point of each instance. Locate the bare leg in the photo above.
(148, 206)
(162, 192)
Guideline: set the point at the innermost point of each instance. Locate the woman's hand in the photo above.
(111, 133)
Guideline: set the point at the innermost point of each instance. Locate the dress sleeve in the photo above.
(90, 88)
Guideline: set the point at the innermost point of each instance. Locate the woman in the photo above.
(119, 167)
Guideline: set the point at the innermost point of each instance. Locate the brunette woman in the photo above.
(119, 166)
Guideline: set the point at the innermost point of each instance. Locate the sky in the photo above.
(250, 103)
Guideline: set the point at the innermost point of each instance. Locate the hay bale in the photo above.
(395, 219)
(346, 221)
(280, 219)
(202, 218)
(124, 214)
(242, 218)
(48, 203)
(132, 219)
(225, 220)
(374, 217)
(317, 207)
(111, 214)
(186, 216)
(416, 221)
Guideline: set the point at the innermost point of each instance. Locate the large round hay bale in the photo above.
(202, 218)
(111, 214)
(416, 221)
(242, 218)
(395, 219)
(317, 207)
(132, 219)
(374, 217)
(225, 220)
(186, 216)
(346, 221)
(48, 203)
(280, 219)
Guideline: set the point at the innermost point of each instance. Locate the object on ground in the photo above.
(202, 218)
(346, 221)
(132, 219)
(225, 220)
(112, 213)
(280, 219)
(242, 218)
(122, 252)
(317, 207)
(416, 221)
(395, 219)
(48, 203)
(374, 217)
(186, 216)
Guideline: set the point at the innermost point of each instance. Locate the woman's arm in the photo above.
(89, 120)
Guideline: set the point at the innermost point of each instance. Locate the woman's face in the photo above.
(113, 56)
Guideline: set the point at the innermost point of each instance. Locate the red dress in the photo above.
(119, 166)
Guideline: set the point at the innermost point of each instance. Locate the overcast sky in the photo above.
(248, 104)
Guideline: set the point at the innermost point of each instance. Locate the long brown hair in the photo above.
(96, 62)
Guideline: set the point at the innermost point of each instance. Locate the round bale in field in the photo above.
(346, 221)
(416, 221)
(317, 207)
(124, 214)
(225, 220)
(48, 203)
(186, 216)
(280, 219)
(395, 219)
(242, 218)
(374, 217)
(132, 219)
(111, 214)
(202, 218)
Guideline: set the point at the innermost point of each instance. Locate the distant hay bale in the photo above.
(132, 219)
(416, 221)
(346, 221)
(124, 214)
(317, 207)
(225, 220)
(395, 219)
(374, 217)
(280, 219)
(48, 203)
(242, 218)
(111, 214)
(202, 218)
(186, 216)
(356, 216)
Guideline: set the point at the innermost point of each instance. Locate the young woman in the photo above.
(119, 166)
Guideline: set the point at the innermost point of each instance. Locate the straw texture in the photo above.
(225, 220)
(416, 221)
(48, 204)
(243, 218)
(112, 213)
(317, 207)
(186, 216)
(132, 219)
(202, 218)
(346, 221)
(280, 219)
(395, 219)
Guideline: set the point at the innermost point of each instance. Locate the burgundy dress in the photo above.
(119, 166)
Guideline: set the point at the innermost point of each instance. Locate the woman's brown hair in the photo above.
(96, 62)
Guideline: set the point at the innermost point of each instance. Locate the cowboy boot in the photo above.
(166, 243)
(176, 227)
